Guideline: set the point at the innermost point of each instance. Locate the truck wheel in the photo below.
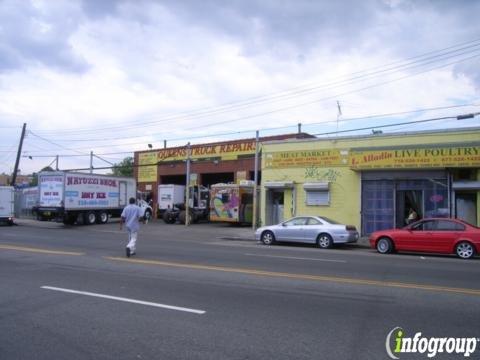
(89, 218)
(169, 217)
(182, 217)
(102, 217)
(69, 219)
(194, 217)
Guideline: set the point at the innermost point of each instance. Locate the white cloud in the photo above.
(99, 65)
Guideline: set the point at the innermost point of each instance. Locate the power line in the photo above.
(229, 121)
(457, 117)
(281, 96)
(285, 127)
(267, 129)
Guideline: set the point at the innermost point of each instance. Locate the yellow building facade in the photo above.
(373, 181)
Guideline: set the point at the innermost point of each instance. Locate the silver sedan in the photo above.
(308, 229)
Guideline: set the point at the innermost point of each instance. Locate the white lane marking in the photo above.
(170, 307)
(297, 258)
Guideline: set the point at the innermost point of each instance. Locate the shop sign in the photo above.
(147, 170)
(305, 158)
(428, 157)
(224, 151)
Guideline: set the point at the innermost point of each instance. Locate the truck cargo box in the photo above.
(7, 200)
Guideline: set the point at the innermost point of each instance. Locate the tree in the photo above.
(124, 167)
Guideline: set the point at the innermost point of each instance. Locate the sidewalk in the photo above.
(223, 231)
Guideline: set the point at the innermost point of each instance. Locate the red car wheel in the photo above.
(384, 245)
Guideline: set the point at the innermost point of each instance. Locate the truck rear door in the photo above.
(123, 193)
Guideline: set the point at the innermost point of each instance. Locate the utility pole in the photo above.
(187, 189)
(14, 177)
(255, 188)
(91, 162)
(56, 163)
(339, 114)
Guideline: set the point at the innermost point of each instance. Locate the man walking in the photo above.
(131, 215)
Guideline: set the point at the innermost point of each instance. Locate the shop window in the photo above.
(465, 174)
(317, 197)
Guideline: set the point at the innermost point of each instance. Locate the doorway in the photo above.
(275, 206)
(405, 201)
(466, 207)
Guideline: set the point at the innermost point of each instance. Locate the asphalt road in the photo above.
(70, 293)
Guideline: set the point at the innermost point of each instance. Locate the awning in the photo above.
(278, 184)
(466, 185)
(316, 186)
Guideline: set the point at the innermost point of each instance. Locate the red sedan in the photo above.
(445, 236)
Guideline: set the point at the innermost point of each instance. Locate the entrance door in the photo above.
(274, 206)
(406, 200)
(466, 207)
(123, 194)
(277, 212)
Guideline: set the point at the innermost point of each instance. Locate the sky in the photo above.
(111, 77)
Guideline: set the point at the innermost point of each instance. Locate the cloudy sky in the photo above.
(114, 76)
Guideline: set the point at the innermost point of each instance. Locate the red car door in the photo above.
(445, 234)
(418, 237)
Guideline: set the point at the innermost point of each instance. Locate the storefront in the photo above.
(213, 163)
(374, 182)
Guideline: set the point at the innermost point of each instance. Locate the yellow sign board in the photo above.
(227, 151)
(427, 157)
(401, 158)
(304, 158)
(147, 170)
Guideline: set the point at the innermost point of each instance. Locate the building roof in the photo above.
(377, 135)
(294, 136)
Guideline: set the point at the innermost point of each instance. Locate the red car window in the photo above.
(445, 225)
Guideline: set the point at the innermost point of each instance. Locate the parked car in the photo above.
(308, 229)
(434, 235)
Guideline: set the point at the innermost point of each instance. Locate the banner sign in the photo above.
(225, 151)
(90, 191)
(147, 171)
(305, 158)
(428, 157)
(51, 190)
(401, 158)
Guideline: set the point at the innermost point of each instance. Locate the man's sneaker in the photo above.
(133, 253)
(128, 251)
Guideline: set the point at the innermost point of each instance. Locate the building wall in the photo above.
(331, 161)
(235, 157)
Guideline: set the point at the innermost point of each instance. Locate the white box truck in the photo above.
(90, 198)
(7, 201)
(168, 196)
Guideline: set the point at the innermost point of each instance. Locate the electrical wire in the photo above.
(235, 106)
(331, 132)
(267, 129)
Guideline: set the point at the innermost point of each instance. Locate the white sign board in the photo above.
(51, 190)
(90, 192)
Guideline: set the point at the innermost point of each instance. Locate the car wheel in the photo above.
(384, 245)
(464, 250)
(325, 241)
(268, 238)
(169, 217)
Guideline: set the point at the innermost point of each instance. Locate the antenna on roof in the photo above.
(339, 114)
